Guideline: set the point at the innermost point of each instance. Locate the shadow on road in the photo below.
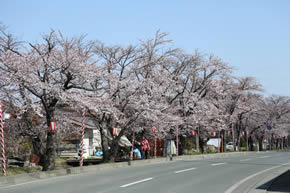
(278, 184)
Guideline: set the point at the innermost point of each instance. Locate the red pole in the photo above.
(2, 142)
(222, 142)
(155, 146)
(154, 130)
(82, 142)
(197, 140)
(177, 141)
(133, 141)
(219, 141)
(233, 135)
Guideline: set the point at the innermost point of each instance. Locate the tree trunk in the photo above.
(38, 149)
(251, 144)
(233, 136)
(181, 145)
(202, 143)
(224, 141)
(50, 155)
(113, 156)
(238, 137)
(260, 143)
(197, 140)
(105, 143)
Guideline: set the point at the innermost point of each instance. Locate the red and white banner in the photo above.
(52, 126)
(115, 132)
(193, 133)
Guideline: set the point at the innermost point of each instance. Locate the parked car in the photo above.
(229, 146)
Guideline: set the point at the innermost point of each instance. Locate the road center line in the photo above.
(264, 157)
(218, 164)
(185, 170)
(245, 160)
(137, 182)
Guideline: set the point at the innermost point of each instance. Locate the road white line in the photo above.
(245, 160)
(137, 182)
(185, 170)
(217, 164)
(264, 157)
(231, 189)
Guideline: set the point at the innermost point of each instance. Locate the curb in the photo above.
(28, 177)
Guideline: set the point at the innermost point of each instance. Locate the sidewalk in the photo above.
(281, 183)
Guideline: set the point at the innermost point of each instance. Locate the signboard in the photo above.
(52, 126)
(269, 124)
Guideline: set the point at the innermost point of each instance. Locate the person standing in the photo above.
(145, 148)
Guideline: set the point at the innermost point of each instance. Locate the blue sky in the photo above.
(252, 35)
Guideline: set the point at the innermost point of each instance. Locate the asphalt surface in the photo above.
(229, 174)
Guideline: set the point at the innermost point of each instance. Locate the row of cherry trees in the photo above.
(134, 86)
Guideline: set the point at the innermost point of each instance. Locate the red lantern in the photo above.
(243, 133)
(214, 134)
(52, 126)
(229, 132)
(115, 133)
(154, 129)
(193, 133)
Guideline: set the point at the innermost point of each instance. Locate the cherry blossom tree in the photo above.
(46, 71)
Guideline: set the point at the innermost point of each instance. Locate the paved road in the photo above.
(230, 174)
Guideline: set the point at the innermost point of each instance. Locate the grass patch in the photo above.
(20, 170)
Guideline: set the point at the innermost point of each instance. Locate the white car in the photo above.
(229, 146)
